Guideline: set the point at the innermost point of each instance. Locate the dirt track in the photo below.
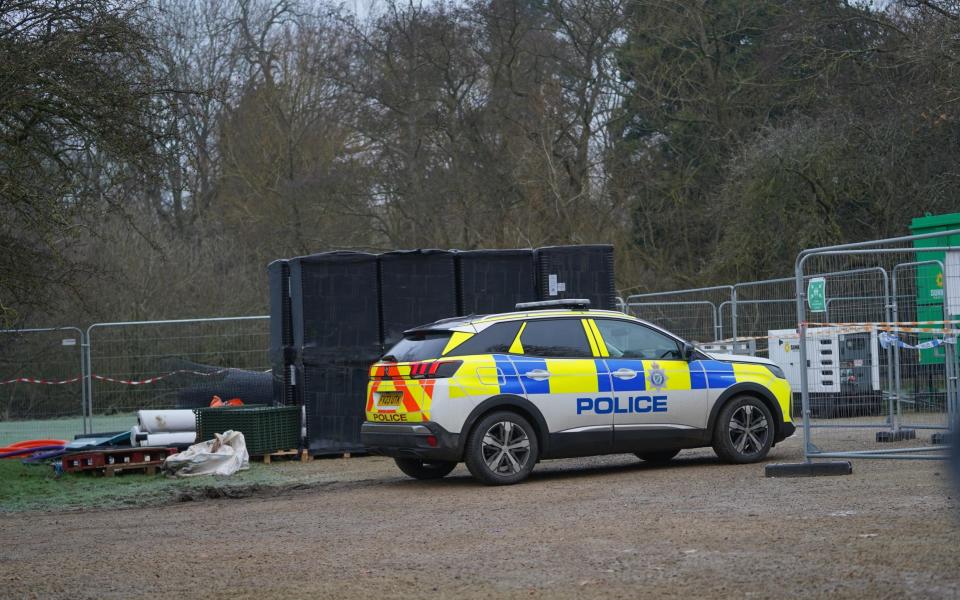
(608, 527)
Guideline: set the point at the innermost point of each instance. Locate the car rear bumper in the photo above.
(410, 440)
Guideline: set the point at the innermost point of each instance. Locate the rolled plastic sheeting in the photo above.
(135, 436)
(166, 421)
(170, 439)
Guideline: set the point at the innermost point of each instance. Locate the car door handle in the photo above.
(537, 374)
(624, 373)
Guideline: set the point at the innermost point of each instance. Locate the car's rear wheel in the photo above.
(744, 431)
(425, 469)
(657, 458)
(502, 449)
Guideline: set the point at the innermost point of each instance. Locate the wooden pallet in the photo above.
(299, 455)
(115, 460)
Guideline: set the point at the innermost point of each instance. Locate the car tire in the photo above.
(425, 469)
(502, 449)
(744, 431)
(660, 457)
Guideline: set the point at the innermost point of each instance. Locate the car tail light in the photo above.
(434, 370)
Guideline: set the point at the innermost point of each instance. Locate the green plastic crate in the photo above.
(265, 429)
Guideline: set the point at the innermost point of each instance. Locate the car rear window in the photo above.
(421, 345)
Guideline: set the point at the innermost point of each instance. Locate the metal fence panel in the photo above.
(691, 313)
(41, 384)
(888, 388)
(695, 320)
(172, 364)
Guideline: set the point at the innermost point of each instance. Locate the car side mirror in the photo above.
(688, 350)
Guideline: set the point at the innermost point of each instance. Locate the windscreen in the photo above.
(422, 345)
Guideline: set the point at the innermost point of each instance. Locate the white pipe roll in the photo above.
(169, 439)
(134, 431)
(167, 421)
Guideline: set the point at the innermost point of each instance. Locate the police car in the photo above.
(557, 380)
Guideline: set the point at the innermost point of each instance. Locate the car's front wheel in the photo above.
(425, 469)
(744, 431)
(502, 449)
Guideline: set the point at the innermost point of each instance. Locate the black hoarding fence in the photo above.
(577, 272)
(494, 281)
(333, 315)
(282, 352)
(334, 396)
(336, 314)
(416, 287)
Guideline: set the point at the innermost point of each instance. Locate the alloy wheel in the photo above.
(505, 447)
(748, 429)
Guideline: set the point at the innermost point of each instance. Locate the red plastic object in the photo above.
(35, 443)
(29, 446)
(217, 402)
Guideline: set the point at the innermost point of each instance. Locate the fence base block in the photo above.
(896, 436)
(811, 469)
(940, 439)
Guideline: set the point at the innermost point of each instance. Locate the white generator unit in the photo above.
(838, 361)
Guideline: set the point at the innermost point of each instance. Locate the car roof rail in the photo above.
(576, 303)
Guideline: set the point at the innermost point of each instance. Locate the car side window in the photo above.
(561, 338)
(495, 339)
(633, 340)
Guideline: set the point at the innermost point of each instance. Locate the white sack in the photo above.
(166, 421)
(224, 455)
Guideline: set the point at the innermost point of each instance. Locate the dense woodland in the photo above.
(155, 156)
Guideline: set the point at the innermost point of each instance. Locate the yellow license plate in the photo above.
(389, 398)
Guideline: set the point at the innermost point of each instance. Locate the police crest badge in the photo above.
(657, 377)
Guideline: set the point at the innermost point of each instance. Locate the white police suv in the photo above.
(501, 392)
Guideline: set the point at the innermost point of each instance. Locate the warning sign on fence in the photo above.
(817, 294)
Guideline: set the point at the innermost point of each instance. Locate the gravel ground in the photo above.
(600, 527)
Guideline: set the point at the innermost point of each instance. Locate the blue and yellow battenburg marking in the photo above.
(577, 376)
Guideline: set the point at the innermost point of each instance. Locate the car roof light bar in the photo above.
(581, 303)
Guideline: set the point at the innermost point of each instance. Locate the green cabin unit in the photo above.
(930, 277)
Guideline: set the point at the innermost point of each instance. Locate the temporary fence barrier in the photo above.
(179, 363)
(41, 383)
(917, 328)
(702, 325)
(695, 324)
(874, 346)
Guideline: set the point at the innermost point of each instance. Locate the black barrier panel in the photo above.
(416, 287)
(334, 397)
(281, 332)
(493, 281)
(335, 306)
(577, 272)
(281, 320)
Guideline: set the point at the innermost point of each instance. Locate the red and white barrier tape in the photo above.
(831, 329)
(40, 381)
(112, 379)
